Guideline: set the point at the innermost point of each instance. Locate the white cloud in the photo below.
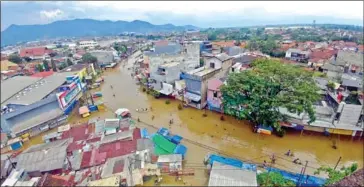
(344, 9)
(52, 14)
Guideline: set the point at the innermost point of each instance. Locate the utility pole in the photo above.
(303, 174)
(337, 163)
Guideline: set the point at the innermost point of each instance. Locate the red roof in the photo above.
(214, 84)
(55, 180)
(161, 43)
(43, 74)
(36, 51)
(110, 150)
(80, 132)
(322, 54)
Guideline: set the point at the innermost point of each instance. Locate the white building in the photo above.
(88, 43)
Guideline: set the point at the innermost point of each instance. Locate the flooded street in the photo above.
(203, 135)
(230, 137)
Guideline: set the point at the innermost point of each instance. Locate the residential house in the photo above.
(196, 86)
(245, 59)
(166, 74)
(319, 56)
(297, 55)
(170, 163)
(214, 95)
(206, 46)
(221, 62)
(42, 158)
(234, 50)
(16, 176)
(35, 53)
(7, 65)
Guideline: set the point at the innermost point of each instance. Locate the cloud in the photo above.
(52, 14)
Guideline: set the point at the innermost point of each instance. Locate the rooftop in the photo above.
(14, 85)
(226, 175)
(214, 84)
(201, 71)
(111, 181)
(44, 157)
(167, 65)
(39, 89)
(170, 158)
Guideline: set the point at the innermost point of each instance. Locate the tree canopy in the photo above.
(89, 59)
(257, 94)
(273, 179)
(15, 58)
(337, 175)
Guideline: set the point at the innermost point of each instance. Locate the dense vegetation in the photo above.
(273, 179)
(337, 175)
(257, 95)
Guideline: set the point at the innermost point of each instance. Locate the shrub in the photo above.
(281, 132)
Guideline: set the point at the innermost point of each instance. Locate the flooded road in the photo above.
(230, 137)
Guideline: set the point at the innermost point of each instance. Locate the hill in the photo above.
(80, 27)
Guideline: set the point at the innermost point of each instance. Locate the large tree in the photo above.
(257, 94)
(90, 59)
(337, 175)
(15, 58)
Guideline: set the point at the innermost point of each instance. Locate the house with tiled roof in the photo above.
(35, 52)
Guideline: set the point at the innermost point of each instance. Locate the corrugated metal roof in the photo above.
(44, 157)
(226, 175)
(170, 158)
(14, 85)
(126, 135)
(350, 114)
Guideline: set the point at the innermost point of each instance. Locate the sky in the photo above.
(198, 13)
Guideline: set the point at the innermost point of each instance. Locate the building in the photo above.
(227, 175)
(221, 62)
(39, 106)
(214, 95)
(35, 53)
(196, 86)
(16, 176)
(44, 158)
(297, 55)
(165, 74)
(111, 181)
(104, 58)
(7, 65)
(206, 46)
(170, 163)
(88, 44)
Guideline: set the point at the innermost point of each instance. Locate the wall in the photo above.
(217, 62)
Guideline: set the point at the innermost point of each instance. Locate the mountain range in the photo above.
(81, 27)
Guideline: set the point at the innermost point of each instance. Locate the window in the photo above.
(215, 93)
(212, 65)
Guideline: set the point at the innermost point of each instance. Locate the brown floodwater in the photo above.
(203, 135)
(229, 137)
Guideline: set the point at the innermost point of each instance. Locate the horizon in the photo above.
(197, 13)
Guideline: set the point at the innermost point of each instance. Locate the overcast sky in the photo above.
(198, 13)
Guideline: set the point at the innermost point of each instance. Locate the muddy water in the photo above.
(231, 137)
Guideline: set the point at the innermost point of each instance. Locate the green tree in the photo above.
(45, 65)
(69, 62)
(258, 94)
(40, 68)
(273, 179)
(15, 58)
(53, 64)
(90, 59)
(212, 36)
(337, 175)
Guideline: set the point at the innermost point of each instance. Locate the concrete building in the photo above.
(196, 86)
(89, 44)
(297, 55)
(104, 58)
(221, 62)
(214, 95)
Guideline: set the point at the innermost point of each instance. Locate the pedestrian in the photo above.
(138, 119)
(264, 163)
(151, 109)
(146, 109)
(288, 153)
(152, 117)
(273, 159)
(111, 86)
(113, 95)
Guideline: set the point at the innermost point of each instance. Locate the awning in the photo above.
(193, 97)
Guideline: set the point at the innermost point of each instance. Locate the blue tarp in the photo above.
(265, 127)
(180, 149)
(92, 108)
(163, 131)
(306, 180)
(144, 133)
(232, 162)
(176, 139)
